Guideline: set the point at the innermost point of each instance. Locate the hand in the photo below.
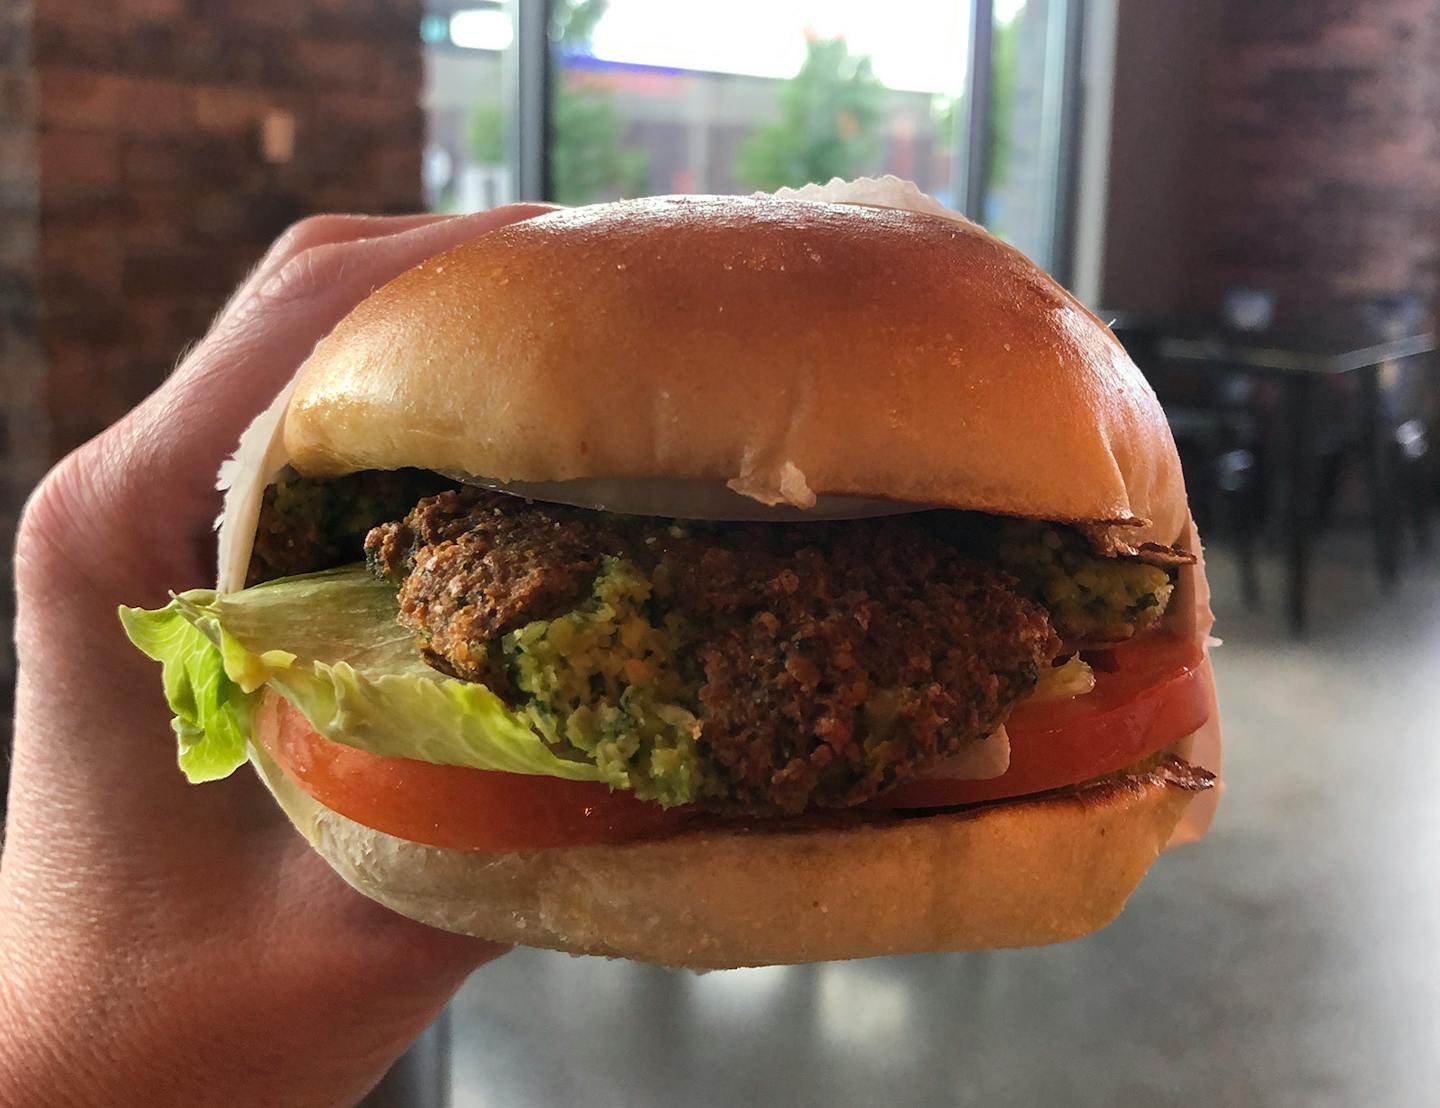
(163, 943)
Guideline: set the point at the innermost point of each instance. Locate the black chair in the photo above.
(1219, 421)
(1380, 430)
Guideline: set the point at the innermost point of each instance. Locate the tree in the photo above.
(486, 133)
(999, 122)
(829, 124)
(1004, 59)
(573, 22)
(588, 156)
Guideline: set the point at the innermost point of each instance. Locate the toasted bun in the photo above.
(1023, 873)
(788, 347)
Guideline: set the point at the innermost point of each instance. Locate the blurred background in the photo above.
(1248, 189)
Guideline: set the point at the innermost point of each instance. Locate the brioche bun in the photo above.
(1024, 872)
(788, 347)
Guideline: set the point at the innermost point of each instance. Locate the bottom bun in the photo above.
(1018, 873)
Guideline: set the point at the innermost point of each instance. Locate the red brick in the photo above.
(336, 65)
(149, 11)
(1324, 150)
(78, 388)
(94, 17)
(18, 98)
(274, 15)
(73, 98)
(78, 164)
(17, 156)
(88, 259)
(19, 244)
(152, 107)
(231, 108)
(147, 163)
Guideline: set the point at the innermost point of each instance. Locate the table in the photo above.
(1299, 361)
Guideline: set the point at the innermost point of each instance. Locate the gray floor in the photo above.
(1289, 959)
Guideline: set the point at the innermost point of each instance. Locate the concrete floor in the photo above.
(1289, 959)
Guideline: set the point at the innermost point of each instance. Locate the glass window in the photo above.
(1025, 133)
(469, 48)
(650, 96)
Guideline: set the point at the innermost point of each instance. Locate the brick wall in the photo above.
(176, 138)
(1324, 168)
(1158, 159)
(24, 431)
(149, 151)
(1274, 143)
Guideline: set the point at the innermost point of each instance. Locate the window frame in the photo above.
(529, 92)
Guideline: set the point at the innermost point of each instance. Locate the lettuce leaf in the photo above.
(329, 643)
(213, 714)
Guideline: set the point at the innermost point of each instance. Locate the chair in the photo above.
(1219, 423)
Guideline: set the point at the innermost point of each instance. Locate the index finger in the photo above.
(257, 345)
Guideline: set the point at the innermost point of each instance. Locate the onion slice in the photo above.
(681, 499)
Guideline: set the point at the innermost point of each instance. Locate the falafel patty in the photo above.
(755, 667)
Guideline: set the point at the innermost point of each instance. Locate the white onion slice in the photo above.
(888, 191)
(680, 499)
(1203, 747)
(982, 761)
(243, 477)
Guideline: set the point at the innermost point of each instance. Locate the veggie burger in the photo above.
(715, 581)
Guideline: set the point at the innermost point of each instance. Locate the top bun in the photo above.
(787, 347)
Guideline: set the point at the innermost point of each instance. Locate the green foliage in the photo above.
(1004, 59)
(572, 24)
(829, 125)
(998, 126)
(486, 133)
(588, 157)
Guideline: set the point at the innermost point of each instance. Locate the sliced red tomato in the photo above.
(1156, 691)
(469, 809)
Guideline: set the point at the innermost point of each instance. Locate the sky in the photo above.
(918, 45)
(914, 45)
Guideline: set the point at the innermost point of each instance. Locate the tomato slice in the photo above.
(453, 806)
(1156, 692)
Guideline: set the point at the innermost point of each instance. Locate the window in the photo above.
(621, 98)
(469, 50)
(1033, 52)
(651, 96)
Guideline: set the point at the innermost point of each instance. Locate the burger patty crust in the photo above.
(759, 667)
(307, 525)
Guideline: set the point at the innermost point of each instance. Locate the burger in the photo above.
(714, 581)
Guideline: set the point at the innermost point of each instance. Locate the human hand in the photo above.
(157, 939)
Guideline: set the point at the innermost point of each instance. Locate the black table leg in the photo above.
(1299, 464)
(1380, 477)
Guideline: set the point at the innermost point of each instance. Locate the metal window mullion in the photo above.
(976, 171)
(530, 89)
(1066, 153)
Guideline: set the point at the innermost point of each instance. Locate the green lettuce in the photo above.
(329, 643)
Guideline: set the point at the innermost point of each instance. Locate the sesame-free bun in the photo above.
(1025, 872)
(787, 347)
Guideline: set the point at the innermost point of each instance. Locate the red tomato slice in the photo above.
(1157, 692)
(468, 809)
